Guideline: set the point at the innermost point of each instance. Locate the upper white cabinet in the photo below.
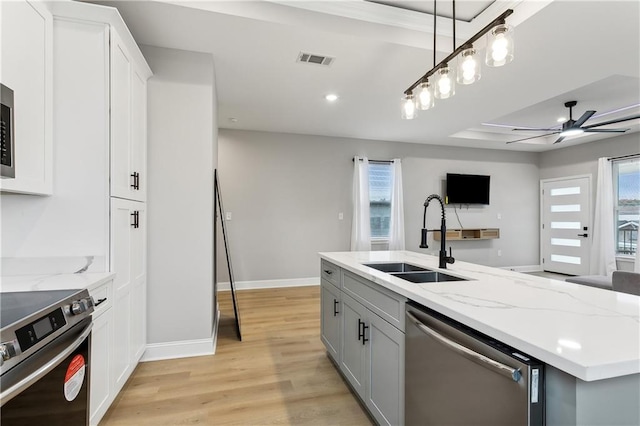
(128, 124)
(26, 68)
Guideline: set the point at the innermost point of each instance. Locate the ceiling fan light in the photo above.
(445, 83)
(499, 45)
(425, 99)
(468, 67)
(408, 110)
(571, 132)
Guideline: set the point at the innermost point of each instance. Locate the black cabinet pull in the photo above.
(328, 272)
(583, 235)
(364, 330)
(335, 307)
(360, 329)
(136, 180)
(100, 301)
(135, 219)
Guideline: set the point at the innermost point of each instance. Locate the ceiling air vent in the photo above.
(310, 58)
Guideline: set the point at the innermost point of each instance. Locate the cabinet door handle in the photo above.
(135, 219)
(364, 330)
(100, 301)
(583, 235)
(328, 272)
(335, 307)
(360, 324)
(136, 181)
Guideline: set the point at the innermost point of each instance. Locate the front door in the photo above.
(566, 225)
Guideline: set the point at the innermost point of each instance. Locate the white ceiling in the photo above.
(588, 51)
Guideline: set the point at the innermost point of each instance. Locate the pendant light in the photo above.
(468, 67)
(445, 83)
(425, 96)
(499, 45)
(409, 111)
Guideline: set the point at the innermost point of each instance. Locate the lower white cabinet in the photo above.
(102, 338)
(128, 254)
(370, 347)
(101, 359)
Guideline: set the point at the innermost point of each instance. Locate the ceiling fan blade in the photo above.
(619, 120)
(534, 137)
(534, 130)
(605, 130)
(560, 139)
(580, 121)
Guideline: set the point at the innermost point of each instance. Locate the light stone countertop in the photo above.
(587, 332)
(89, 280)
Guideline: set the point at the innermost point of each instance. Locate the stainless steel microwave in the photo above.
(7, 150)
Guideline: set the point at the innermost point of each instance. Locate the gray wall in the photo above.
(285, 192)
(182, 151)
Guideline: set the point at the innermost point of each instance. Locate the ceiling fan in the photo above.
(573, 127)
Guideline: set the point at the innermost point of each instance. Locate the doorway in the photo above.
(565, 237)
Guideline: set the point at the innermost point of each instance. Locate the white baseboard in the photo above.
(181, 349)
(523, 268)
(251, 285)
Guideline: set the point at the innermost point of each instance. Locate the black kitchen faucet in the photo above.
(443, 258)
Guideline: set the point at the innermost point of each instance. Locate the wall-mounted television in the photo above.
(467, 189)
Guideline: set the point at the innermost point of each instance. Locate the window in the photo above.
(380, 199)
(626, 193)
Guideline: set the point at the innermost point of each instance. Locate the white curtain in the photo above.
(603, 254)
(361, 222)
(396, 224)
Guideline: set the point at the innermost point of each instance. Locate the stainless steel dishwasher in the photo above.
(457, 376)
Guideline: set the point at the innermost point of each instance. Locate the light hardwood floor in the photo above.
(278, 374)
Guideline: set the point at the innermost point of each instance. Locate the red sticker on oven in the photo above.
(74, 378)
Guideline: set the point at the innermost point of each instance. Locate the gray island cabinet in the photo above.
(362, 327)
(588, 338)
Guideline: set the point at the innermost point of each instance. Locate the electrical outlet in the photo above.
(228, 216)
(340, 216)
(499, 252)
(499, 216)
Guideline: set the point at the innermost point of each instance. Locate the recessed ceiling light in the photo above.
(331, 97)
(561, 119)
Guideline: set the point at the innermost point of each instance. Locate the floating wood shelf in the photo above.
(469, 234)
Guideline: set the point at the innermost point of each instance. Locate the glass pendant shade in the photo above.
(499, 45)
(468, 67)
(445, 83)
(409, 110)
(425, 96)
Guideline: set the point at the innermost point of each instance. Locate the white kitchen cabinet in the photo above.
(371, 340)
(101, 352)
(128, 254)
(128, 124)
(101, 112)
(26, 68)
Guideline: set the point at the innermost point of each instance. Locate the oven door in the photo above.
(51, 387)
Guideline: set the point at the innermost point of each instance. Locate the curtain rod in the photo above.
(377, 161)
(624, 156)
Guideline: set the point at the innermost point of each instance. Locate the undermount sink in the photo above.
(395, 267)
(412, 273)
(427, 277)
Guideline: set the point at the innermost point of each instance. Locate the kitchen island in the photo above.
(588, 338)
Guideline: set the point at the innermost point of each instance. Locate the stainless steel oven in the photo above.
(7, 130)
(45, 346)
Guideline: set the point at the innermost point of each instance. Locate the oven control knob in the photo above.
(7, 350)
(83, 305)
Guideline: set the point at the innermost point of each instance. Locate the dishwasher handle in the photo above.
(498, 367)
